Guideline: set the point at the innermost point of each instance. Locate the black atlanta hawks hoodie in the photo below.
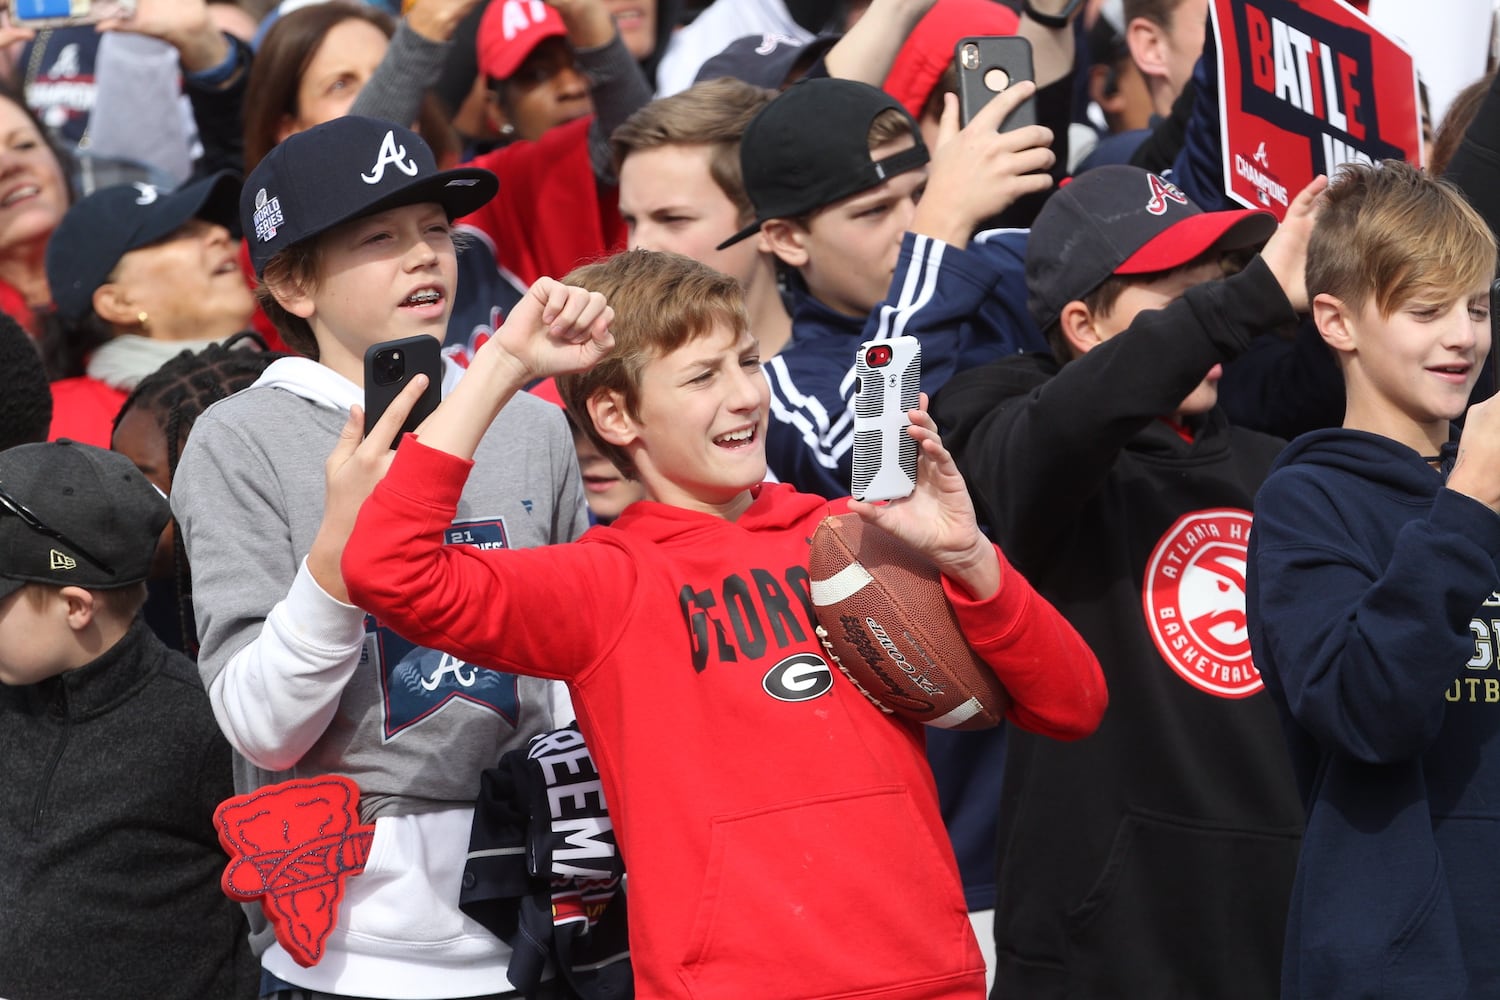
(1154, 858)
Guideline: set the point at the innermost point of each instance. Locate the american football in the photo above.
(884, 619)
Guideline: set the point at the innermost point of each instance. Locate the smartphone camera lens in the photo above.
(878, 357)
(390, 366)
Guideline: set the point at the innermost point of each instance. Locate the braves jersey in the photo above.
(1155, 858)
(768, 813)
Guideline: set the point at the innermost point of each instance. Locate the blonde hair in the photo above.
(1390, 233)
(713, 114)
(661, 301)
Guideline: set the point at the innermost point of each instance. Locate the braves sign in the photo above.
(1194, 601)
(1304, 86)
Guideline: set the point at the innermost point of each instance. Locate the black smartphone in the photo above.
(389, 366)
(888, 384)
(987, 65)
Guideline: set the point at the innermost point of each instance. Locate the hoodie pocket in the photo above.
(1184, 908)
(827, 897)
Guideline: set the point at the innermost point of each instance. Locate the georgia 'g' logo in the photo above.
(391, 154)
(801, 677)
(1194, 600)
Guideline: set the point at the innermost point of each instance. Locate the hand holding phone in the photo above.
(889, 374)
(58, 13)
(987, 66)
(389, 368)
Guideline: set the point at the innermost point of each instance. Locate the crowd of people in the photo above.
(531, 702)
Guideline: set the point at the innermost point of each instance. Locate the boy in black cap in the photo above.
(1156, 858)
(838, 174)
(349, 226)
(113, 763)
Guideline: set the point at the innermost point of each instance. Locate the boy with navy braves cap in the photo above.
(839, 177)
(1111, 478)
(349, 227)
(113, 763)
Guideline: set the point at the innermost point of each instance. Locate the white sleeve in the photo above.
(276, 694)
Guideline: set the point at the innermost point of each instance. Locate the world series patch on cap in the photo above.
(75, 515)
(346, 169)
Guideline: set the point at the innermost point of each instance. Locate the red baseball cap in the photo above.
(510, 30)
(928, 50)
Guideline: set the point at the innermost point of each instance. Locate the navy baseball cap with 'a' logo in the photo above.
(345, 169)
(1123, 220)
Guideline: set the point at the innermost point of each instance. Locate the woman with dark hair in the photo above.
(34, 194)
(310, 68)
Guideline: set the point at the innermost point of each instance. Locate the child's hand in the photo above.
(938, 517)
(1476, 471)
(350, 473)
(1285, 252)
(977, 172)
(556, 329)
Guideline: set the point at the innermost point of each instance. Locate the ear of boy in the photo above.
(1079, 329)
(611, 418)
(787, 240)
(1333, 318)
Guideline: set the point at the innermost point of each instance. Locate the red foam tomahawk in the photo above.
(292, 846)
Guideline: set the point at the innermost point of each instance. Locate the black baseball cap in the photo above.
(1123, 220)
(766, 60)
(106, 225)
(810, 147)
(73, 515)
(345, 169)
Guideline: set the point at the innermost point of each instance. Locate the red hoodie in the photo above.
(776, 848)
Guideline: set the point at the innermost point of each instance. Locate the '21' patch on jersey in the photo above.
(417, 682)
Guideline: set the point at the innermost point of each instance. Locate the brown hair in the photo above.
(283, 58)
(1456, 121)
(119, 604)
(1389, 233)
(294, 267)
(713, 114)
(661, 301)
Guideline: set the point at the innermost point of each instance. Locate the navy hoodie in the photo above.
(1373, 619)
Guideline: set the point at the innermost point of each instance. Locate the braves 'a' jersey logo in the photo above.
(1194, 601)
(416, 682)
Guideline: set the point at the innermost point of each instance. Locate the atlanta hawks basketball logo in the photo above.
(1194, 600)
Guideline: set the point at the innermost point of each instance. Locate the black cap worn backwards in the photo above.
(345, 169)
(106, 225)
(810, 147)
(75, 515)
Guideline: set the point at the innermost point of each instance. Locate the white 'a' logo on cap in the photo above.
(514, 19)
(60, 561)
(392, 154)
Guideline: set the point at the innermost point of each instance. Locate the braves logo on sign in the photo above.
(1194, 601)
(416, 682)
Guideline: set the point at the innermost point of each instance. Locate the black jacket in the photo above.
(109, 863)
(1155, 858)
